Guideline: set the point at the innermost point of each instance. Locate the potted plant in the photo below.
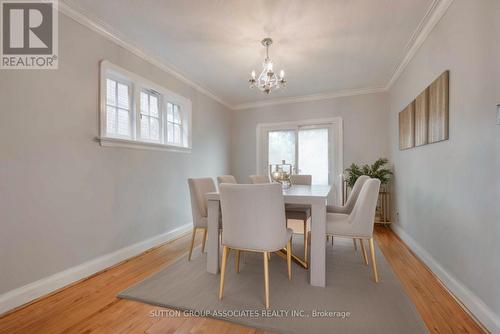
(377, 171)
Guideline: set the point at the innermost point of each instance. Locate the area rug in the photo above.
(350, 303)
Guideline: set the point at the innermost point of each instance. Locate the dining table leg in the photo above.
(213, 237)
(317, 269)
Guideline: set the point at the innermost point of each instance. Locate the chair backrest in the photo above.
(353, 196)
(305, 180)
(258, 179)
(363, 215)
(226, 179)
(253, 216)
(197, 189)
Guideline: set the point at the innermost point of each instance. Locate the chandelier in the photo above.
(267, 80)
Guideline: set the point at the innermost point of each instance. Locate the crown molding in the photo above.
(103, 29)
(308, 98)
(431, 18)
(435, 12)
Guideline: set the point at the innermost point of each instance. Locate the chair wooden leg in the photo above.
(305, 242)
(238, 260)
(266, 278)
(289, 257)
(204, 240)
(225, 254)
(192, 244)
(355, 245)
(374, 264)
(363, 250)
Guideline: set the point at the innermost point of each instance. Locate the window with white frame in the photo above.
(174, 124)
(117, 108)
(138, 113)
(151, 125)
(311, 146)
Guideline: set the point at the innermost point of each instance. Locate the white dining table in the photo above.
(314, 195)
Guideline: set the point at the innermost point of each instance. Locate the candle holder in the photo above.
(281, 173)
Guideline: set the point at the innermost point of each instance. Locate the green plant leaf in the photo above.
(375, 170)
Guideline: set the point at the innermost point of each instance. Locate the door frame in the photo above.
(336, 147)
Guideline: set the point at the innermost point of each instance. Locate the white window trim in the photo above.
(137, 83)
(130, 86)
(180, 123)
(128, 143)
(336, 148)
(161, 112)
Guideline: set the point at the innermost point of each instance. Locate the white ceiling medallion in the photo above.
(267, 80)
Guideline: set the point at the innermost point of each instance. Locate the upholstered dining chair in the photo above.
(359, 223)
(253, 219)
(349, 205)
(226, 179)
(300, 212)
(197, 189)
(258, 179)
(351, 200)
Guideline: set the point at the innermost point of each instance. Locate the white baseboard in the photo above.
(29, 292)
(474, 304)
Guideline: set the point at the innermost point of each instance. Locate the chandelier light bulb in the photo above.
(253, 75)
(282, 74)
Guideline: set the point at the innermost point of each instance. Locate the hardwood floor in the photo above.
(438, 308)
(91, 306)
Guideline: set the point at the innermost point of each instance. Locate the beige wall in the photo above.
(64, 199)
(447, 194)
(365, 120)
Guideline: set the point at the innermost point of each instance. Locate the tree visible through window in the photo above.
(305, 148)
(281, 147)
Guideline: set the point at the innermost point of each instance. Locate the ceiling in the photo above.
(324, 46)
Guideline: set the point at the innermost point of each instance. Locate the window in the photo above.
(312, 147)
(306, 148)
(281, 147)
(314, 153)
(117, 108)
(140, 114)
(150, 116)
(174, 124)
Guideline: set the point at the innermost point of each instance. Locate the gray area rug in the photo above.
(351, 302)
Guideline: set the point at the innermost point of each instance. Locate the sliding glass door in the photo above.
(306, 148)
(314, 154)
(282, 146)
(311, 146)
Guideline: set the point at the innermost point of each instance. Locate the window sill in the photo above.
(141, 145)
